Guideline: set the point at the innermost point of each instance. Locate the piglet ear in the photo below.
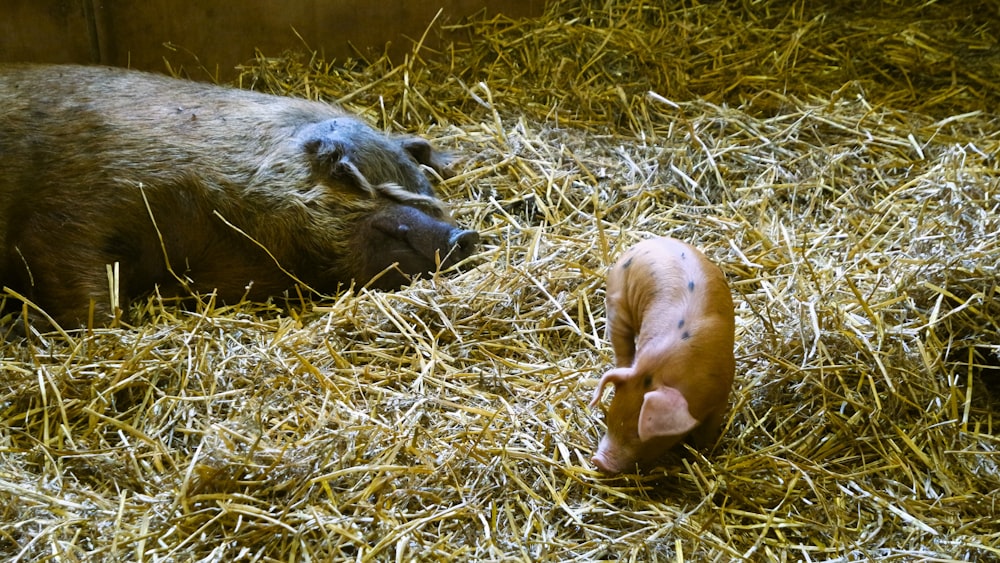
(422, 151)
(664, 413)
(615, 376)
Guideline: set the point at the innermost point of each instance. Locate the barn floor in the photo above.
(841, 166)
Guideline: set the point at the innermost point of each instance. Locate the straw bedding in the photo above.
(841, 167)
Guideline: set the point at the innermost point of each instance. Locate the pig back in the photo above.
(657, 284)
(103, 121)
(689, 334)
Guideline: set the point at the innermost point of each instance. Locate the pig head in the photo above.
(671, 321)
(410, 232)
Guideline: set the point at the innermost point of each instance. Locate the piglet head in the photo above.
(645, 420)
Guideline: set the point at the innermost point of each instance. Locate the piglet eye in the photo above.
(647, 382)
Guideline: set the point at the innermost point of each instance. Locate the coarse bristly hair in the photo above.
(206, 188)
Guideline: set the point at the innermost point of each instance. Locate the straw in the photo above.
(839, 165)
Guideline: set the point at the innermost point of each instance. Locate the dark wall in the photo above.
(47, 31)
(220, 34)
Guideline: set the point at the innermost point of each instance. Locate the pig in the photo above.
(192, 187)
(671, 324)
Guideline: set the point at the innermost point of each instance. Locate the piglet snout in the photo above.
(605, 459)
(602, 465)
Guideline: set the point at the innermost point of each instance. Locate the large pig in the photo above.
(671, 323)
(195, 187)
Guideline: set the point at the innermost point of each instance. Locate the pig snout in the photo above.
(462, 244)
(409, 241)
(440, 245)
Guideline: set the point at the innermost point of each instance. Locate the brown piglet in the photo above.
(671, 323)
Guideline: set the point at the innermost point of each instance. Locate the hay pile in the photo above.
(841, 167)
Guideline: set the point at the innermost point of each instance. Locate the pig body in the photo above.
(202, 188)
(671, 323)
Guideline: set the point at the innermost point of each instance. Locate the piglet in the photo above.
(671, 323)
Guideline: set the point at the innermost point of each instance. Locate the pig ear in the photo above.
(664, 413)
(422, 151)
(331, 159)
(615, 376)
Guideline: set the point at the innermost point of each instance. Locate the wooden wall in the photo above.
(220, 34)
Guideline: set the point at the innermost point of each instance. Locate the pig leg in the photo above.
(66, 296)
(65, 280)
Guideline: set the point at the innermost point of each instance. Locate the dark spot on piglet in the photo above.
(686, 335)
(680, 324)
(627, 263)
(690, 286)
